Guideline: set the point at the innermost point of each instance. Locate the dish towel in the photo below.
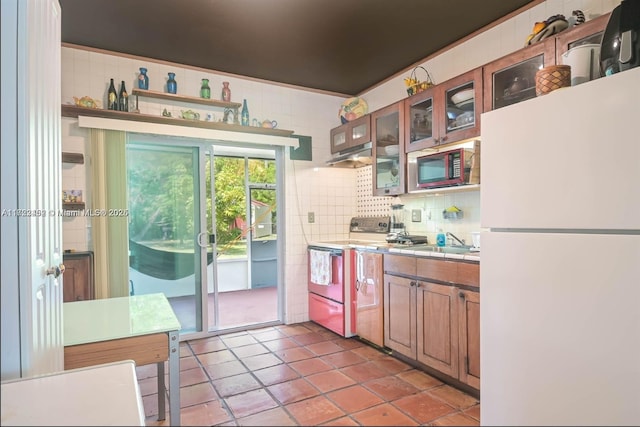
(320, 265)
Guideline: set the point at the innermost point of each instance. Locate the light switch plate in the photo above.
(416, 215)
(311, 217)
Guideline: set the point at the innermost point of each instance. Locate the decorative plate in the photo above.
(352, 109)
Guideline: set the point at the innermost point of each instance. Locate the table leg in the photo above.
(174, 378)
(161, 392)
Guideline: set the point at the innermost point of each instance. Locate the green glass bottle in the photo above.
(205, 90)
(245, 113)
(123, 98)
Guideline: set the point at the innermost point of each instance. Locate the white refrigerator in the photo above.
(560, 260)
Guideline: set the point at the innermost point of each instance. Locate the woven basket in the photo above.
(414, 85)
(551, 78)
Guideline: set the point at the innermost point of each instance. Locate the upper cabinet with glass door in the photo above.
(512, 78)
(445, 113)
(351, 134)
(589, 32)
(418, 121)
(387, 136)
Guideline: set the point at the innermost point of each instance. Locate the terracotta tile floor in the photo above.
(303, 375)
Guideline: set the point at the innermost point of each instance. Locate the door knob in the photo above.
(56, 271)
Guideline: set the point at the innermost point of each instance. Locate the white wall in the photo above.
(310, 187)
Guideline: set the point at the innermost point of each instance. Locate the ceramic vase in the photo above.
(143, 79)
(172, 85)
(226, 92)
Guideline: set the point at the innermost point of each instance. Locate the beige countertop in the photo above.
(460, 254)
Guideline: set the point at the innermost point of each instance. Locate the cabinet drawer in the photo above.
(469, 274)
(400, 264)
(432, 268)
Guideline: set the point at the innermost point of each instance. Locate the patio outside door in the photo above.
(243, 290)
(165, 210)
(202, 230)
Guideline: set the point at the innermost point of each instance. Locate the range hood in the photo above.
(354, 157)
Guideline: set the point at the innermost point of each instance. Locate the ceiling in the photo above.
(339, 46)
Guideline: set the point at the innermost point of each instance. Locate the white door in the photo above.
(33, 176)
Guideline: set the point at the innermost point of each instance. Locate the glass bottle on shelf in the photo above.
(112, 97)
(245, 113)
(172, 85)
(143, 79)
(123, 98)
(205, 90)
(226, 92)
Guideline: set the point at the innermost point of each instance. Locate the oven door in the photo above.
(327, 313)
(326, 272)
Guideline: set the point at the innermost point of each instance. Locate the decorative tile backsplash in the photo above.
(367, 203)
(429, 205)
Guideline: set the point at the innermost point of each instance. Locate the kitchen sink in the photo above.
(442, 249)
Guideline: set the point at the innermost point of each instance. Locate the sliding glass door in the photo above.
(203, 231)
(165, 223)
(244, 198)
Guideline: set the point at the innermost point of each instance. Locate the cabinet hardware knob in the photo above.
(461, 295)
(357, 285)
(412, 283)
(417, 284)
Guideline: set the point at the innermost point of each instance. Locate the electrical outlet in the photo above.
(416, 215)
(311, 217)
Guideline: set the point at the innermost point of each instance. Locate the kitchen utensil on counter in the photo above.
(397, 222)
(475, 238)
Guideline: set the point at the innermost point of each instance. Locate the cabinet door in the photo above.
(418, 121)
(355, 132)
(469, 324)
(437, 327)
(359, 131)
(369, 324)
(400, 315)
(388, 150)
(339, 138)
(589, 32)
(78, 278)
(512, 78)
(458, 107)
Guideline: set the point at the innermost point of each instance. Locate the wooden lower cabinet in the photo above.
(436, 324)
(78, 277)
(437, 327)
(400, 315)
(469, 337)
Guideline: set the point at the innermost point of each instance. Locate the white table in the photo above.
(104, 395)
(142, 328)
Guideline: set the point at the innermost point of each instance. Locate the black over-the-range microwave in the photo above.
(458, 166)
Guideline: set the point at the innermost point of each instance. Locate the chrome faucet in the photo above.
(453, 237)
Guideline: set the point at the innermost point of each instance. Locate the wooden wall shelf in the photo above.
(74, 111)
(76, 206)
(184, 98)
(72, 158)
